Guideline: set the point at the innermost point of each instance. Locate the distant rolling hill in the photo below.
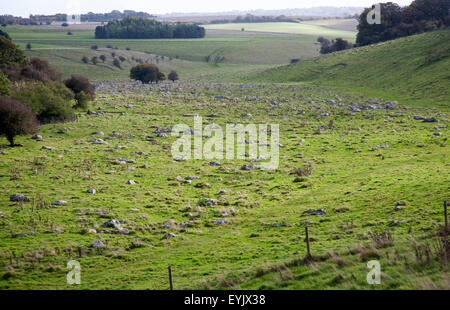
(323, 11)
(309, 29)
(415, 69)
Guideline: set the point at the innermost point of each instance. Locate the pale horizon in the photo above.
(26, 7)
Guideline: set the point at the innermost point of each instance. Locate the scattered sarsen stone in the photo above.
(19, 198)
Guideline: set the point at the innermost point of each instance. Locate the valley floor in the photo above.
(377, 170)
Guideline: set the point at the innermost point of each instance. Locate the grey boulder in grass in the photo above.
(19, 198)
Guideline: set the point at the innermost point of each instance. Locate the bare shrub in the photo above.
(423, 253)
(44, 67)
(429, 251)
(382, 239)
(16, 118)
(442, 249)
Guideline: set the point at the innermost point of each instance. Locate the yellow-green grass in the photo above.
(335, 23)
(293, 28)
(414, 70)
(357, 182)
(48, 32)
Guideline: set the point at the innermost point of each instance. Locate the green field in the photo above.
(341, 24)
(293, 28)
(375, 168)
(242, 52)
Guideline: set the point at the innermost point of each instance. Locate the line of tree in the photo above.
(60, 17)
(420, 16)
(396, 21)
(141, 28)
(249, 18)
(115, 14)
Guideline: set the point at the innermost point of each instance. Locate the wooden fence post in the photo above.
(445, 214)
(307, 241)
(170, 278)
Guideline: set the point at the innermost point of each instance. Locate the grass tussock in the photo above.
(303, 171)
(367, 252)
(337, 259)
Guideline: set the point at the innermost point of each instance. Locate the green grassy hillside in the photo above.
(414, 69)
(68, 61)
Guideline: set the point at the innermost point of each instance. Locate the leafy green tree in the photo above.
(5, 34)
(82, 100)
(10, 54)
(50, 101)
(341, 44)
(373, 33)
(146, 73)
(5, 85)
(82, 88)
(336, 45)
(438, 10)
(396, 21)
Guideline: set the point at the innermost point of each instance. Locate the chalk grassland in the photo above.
(374, 170)
(341, 24)
(69, 62)
(302, 28)
(238, 53)
(197, 49)
(414, 70)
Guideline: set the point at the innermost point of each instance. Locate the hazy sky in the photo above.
(27, 7)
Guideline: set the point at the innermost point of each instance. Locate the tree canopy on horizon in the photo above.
(142, 28)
